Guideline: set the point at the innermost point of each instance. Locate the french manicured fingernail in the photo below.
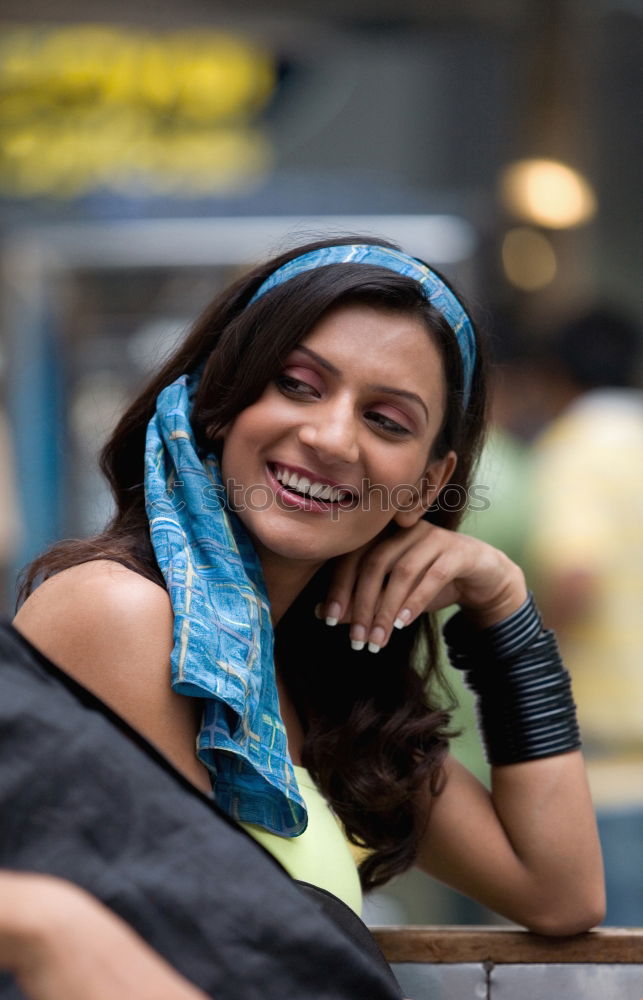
(402, 619)
(319, 611)
(375, 639)
(358, 637)
(334, 610)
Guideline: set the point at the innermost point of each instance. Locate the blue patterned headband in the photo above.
(437, 293)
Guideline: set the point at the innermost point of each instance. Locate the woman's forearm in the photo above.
(18, 918)
(527, 850)
(546, 811)
(60, 943)
(534, 855)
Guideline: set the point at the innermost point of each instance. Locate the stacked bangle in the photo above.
(525, 705)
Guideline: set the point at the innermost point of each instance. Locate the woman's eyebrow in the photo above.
(389, 389)
(411, 396)
(318, 358)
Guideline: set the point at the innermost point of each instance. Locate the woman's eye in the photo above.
(386, 424)
(294, 386)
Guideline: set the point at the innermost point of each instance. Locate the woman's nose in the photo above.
(332, 432)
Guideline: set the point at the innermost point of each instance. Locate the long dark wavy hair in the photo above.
(375, 736)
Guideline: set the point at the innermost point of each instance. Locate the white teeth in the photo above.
(320, 491)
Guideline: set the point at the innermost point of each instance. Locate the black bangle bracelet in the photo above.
(524, 699)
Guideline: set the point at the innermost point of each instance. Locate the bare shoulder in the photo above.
(101, 622)
(92, 601)
(112, 630)
(113, 579)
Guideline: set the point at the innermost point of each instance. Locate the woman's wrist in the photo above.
(34, 910)
(525, 705)
(469, 642)
(21, 924)
(511, 596)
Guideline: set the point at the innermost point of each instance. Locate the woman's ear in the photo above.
(427, 490)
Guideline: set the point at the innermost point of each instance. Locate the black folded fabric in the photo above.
(85, 797)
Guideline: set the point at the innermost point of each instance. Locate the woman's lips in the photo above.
(298, 501)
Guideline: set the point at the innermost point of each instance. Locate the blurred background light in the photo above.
(89, 107)
(548, 193)
(181, 242)
(528, 259)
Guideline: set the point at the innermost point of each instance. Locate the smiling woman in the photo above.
(328, 422)
(278, 479)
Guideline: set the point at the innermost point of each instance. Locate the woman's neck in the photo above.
(285, 579)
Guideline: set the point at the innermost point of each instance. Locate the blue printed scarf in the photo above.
(223, 639)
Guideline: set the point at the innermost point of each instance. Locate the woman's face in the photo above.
(336, 444)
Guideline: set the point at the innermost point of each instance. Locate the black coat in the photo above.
(85, 797)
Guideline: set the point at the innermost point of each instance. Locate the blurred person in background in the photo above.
(586, 554)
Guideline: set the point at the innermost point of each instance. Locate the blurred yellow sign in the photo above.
(86, 107)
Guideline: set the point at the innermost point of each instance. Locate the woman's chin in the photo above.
(292, 544)
(293, 550)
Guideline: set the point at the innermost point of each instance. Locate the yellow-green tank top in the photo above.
(321, 854)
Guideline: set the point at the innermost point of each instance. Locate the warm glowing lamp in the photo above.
(548, 193)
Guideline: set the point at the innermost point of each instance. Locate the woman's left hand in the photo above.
(424, 568)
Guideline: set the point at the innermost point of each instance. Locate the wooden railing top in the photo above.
(504, 946)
